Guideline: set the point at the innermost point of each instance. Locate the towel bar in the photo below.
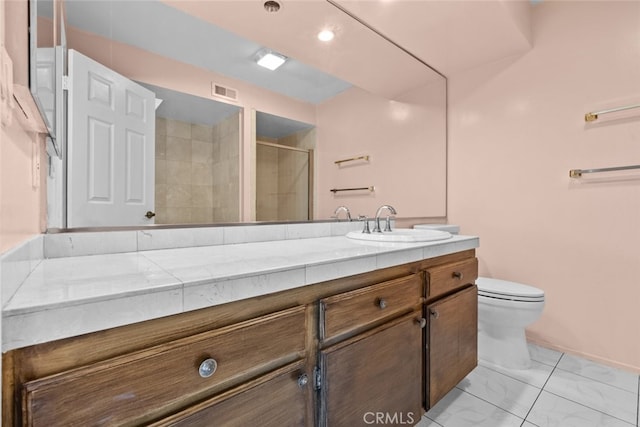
(577, 173)
(335, 190)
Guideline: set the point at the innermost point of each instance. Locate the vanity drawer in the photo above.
(356, 309)
(448, 277)
(276, 399)
(132, 388)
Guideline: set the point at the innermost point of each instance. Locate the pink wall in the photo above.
(22, 205)
(516, 128)
(405, 142)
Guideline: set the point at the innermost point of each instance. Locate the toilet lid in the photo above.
(504, 289)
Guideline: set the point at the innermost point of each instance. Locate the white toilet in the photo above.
(504, 310)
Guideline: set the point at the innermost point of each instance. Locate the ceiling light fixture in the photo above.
(270, 60)
(271, 6)
(326, 35)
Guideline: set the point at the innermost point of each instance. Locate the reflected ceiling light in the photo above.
(326, 35)
(271, 6)
(270, 60)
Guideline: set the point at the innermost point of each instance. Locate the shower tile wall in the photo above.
(197, 172)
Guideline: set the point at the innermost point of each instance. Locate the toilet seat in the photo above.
(506, 290)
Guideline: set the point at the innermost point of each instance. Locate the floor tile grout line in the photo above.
(589, 407)
(581, 404)
(490, 403)
(432, 420)
(513, 378)
(543, 386)
(593, 379)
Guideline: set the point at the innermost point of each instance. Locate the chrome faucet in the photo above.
(378, 213)
(342, 208)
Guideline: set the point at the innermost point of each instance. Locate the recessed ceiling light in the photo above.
(326, 35)
(270, 60)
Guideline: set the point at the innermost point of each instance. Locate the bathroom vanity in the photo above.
(392, 339)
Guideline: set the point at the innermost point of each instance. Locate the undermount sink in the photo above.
(406, 235)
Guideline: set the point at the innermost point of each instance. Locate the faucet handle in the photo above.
(387, 226)
(364, 218)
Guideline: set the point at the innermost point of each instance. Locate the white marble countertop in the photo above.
(70, 296)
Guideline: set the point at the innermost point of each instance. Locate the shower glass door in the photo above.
(283, 182)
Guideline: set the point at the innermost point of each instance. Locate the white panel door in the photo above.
(111, 169)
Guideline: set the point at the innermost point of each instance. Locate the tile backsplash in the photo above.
(104, 242)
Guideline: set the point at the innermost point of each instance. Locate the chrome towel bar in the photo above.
(593, 116)
(577, 173)
(335, 190)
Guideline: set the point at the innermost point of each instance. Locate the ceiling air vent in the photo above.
(224, 92)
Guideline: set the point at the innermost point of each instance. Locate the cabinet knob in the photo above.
(458, 274)
(422, 322)
(303, 380)
(434, 313)
(150, 214)
(207, 368)
(382, 303)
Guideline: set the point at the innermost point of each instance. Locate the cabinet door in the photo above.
(280, 398)
(374, 377)
(452, 350)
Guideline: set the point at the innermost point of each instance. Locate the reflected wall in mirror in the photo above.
(393, 110)
(284, 168)
(43, 66)
(197, 159)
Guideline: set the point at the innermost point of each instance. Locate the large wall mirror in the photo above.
(366, 120)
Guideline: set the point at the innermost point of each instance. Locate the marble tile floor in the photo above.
(560, 390)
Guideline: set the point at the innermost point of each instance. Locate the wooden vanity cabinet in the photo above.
(451, 337)
(377, 370)
(385, 343)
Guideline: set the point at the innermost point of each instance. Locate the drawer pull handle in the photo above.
(207, 368)
(303, 380)
(422, 322)
(382, 303)
(458, 275)
(434, 313)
